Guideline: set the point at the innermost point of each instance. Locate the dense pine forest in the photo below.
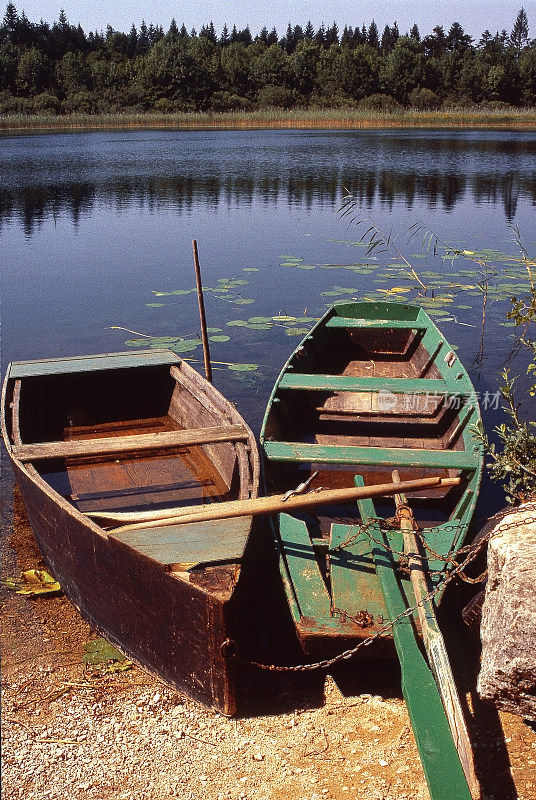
(60, 69)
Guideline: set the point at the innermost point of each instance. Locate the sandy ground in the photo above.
(72, 733)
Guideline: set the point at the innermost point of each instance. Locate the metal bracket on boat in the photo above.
(450, 358)
(229, 648)
(300, 489)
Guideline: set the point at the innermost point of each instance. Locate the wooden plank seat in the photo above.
(349, 383)
(305, 453)
(377, 324)
(190, 544)
(312, 594)
(109, 445)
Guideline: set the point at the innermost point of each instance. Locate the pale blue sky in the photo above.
(495, 14)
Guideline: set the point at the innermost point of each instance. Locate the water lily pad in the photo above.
(154, 305)
(297, 331)
(243, 301)
(259, 320)
(174, 292)
(164, 341)
(243, 367)
(306, 266)
(138, 342)
(214, 330)
(186, 345)
(250, 269)
(219, 338)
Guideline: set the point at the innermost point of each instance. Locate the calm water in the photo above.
(93, 224)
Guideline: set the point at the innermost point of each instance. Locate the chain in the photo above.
(229, 648)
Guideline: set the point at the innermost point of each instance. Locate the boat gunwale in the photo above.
(229, 415)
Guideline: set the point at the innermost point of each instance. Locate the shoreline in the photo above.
(276, 119)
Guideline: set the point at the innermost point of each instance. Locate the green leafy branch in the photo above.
(514, 462)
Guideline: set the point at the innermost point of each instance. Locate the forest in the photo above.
(60, 69)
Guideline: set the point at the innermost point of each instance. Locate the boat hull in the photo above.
(172, 628)
(170, 618)
(372, 388)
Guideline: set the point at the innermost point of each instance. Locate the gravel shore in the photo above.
(69, 732)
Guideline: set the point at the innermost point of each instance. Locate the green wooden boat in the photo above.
(376, 387)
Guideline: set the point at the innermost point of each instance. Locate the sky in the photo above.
(96, 14)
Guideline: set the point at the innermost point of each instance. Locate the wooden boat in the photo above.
(374, 394)
(373, 387)
(98, 438)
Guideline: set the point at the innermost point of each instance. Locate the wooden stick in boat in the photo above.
(264, 505)
(434, 642)
(204, 334)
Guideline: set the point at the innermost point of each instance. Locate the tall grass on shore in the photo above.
(280, 118)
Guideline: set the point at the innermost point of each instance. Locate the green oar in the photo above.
(440, 760)
(434, 643)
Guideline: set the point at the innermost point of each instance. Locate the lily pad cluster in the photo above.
(293, 325)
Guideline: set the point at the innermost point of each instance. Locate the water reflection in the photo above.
(31, 205)
(48, 177)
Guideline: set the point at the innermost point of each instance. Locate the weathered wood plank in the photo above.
(434, 643)
(354, 583)
(129, 444)
(304, 453)
(442, 767)
(347, 383)
(310, 589)
(61, 366)
(191, 544)
(389, 324)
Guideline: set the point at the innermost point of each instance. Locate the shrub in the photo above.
(46, 101)
(82, 102)
(278, 97)
(16, 105)
(163, 105)
(227, 101)
(495, 105)
(424, 99)
(379, 102)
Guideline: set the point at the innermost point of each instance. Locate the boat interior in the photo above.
(144, 410)
(363, 400)
(138, 439)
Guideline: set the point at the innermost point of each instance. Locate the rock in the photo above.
(508, 630)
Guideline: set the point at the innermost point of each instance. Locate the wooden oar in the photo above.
(262, 505)
(434, 642)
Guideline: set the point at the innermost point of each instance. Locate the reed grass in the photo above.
(278, 118)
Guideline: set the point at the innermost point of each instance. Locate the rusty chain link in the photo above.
(229, 648)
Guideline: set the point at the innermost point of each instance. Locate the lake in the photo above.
(97, 228)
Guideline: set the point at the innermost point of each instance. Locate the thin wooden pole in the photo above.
(204, 335)
(266, 505)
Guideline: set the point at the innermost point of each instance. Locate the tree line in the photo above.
(59, 68)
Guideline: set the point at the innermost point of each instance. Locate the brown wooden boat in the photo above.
(132, 433)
